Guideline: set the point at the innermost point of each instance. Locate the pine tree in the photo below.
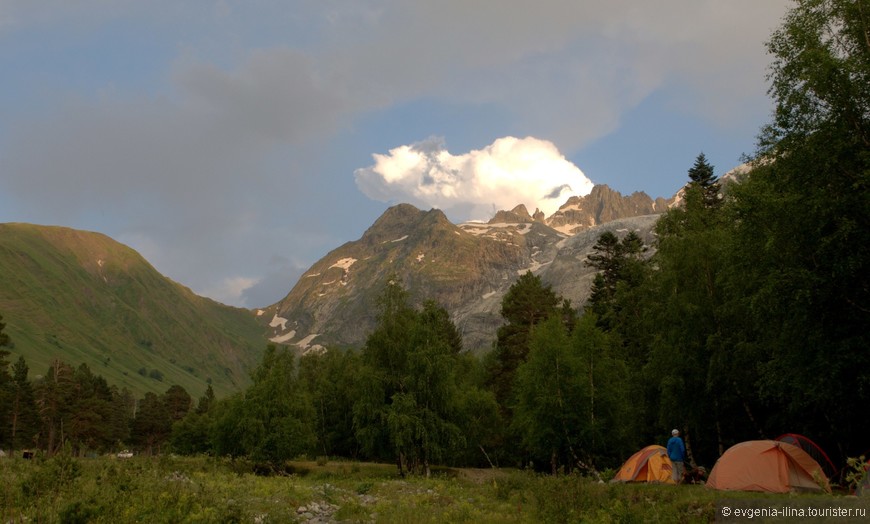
(4, 338)
(527, 303)
(54, 397)
(24, 419)
(206, 401)
(702, 180)
(151, 427)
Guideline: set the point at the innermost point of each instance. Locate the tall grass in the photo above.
(65, 489)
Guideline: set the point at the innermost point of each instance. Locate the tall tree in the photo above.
(702, 179)
(408, 395)
(385, 365)
(151, 427)
(192, 434)
(4, 338)
(686, 324)
(178, 402)
(330, 380)
(277, 415)
(24, 416)
(802, 223)
(54, 397)
(571, 409)
(620, 263)
(527, 303)
(89, 424)
(206, 401)
(618, 300)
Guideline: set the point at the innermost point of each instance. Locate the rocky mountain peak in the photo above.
(401, 221)
(466, 268)
(517, 215)
(600, 206)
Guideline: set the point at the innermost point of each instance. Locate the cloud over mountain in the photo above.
(472, 185)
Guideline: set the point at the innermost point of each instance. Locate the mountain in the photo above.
(603, 205)
(466, 268)
(84, 298)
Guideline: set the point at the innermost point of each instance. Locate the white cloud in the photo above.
(216, 138)
(230, 290)
(508, 172)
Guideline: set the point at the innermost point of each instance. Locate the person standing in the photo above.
(677, 454)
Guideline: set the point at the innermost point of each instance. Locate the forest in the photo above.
(747, 318)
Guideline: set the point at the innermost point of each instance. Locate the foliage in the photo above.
(571, 409)
(703, 180)
(273, 420)
(622, 268)
(686, 324)
(330, 380)
(4, 338)
(747, 320)
(857, 472)
(208, 490)
(24, 422)
(802, 224)
(527, 303)
(409, 394)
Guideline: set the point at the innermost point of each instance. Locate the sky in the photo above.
(234, 144)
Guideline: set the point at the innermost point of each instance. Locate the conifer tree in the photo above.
(24, 420)
(702, 179)
(527, 303)
(4, 338)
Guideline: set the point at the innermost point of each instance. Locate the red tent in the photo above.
(812, 449)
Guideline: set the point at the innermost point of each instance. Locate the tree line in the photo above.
(746, 318)
(74, 406)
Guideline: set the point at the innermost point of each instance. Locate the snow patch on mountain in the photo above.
(278, 321)
(344, 263)
(305, 342)
(280, 339)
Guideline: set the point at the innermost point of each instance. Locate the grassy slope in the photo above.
(181, 489)
(84, 298)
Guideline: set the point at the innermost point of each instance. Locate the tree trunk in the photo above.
(689, 455)
(400, 463)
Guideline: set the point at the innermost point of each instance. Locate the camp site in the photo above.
(421, 261)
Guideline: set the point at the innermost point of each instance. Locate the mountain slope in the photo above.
(466, 268)
(84, 298)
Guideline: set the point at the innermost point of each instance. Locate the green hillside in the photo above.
(83, 298)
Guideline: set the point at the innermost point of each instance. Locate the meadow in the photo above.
(66, 489)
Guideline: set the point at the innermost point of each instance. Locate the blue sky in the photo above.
(232, 143)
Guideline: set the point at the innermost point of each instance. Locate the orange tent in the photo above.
(651, 464)
(767, 465)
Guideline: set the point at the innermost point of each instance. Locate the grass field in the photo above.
(201, 489)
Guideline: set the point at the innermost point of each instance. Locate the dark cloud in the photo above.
(213, 154)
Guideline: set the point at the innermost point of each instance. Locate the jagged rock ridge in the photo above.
(467, 268)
